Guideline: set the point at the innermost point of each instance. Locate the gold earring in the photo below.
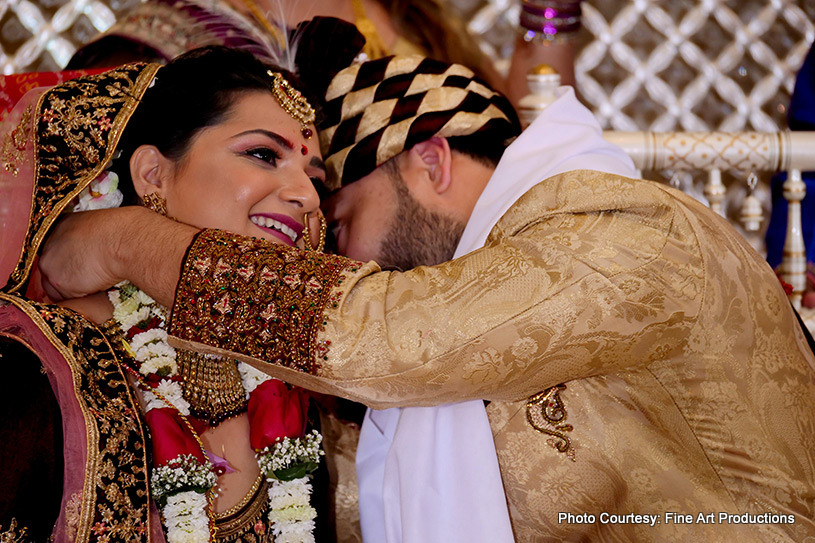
(307, 234)
(154, 202)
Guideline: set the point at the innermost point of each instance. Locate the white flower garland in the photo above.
(185, 472)
(182, 484)
(290, 511)
(189, 525)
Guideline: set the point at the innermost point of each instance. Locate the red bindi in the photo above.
(304, 150)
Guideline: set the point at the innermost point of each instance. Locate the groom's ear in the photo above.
(150, 170)
(432, 160)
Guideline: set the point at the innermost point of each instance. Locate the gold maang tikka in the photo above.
(293, 102)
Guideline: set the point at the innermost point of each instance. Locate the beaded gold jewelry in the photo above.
(307, 234)
(293, 103)
(154, 202)
(211, 385)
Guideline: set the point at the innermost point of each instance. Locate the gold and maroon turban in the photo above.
(377, 109)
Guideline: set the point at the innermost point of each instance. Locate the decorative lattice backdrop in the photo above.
(643, 64)
(676, 64)
(668, 65)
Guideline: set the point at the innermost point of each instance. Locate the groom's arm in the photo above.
(91, 251)
(501, 323)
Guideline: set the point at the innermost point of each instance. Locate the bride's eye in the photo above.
(265, 154)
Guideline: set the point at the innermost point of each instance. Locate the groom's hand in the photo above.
(78, 257)
(92, 251)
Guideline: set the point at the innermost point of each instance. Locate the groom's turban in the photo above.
(377, 109)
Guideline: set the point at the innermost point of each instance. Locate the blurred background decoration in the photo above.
(642, 64)
(648, 65)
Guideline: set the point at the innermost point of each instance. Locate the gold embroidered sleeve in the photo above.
(261, 300)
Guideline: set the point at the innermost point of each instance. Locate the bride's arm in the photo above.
(92, 251)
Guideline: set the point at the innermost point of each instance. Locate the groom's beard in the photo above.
(417, 236)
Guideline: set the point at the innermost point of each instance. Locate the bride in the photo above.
(214, 449)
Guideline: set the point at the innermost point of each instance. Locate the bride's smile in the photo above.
(252, 173)
(286, 228)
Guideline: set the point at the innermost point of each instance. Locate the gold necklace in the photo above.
(211, 385)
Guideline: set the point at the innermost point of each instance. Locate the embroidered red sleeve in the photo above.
(257, 298)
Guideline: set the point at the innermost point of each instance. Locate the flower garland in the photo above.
(183, 476)
(180, 482)
(287, 463)
(181, 479)
(102, 193)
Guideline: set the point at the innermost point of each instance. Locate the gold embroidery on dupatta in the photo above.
(73, 507)
(14, 144)
(78, 127)
(115, 500)
(14, 533)
(546, 413)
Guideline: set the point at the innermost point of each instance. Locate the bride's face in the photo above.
(252, 174)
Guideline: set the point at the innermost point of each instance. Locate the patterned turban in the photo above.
(377, 109)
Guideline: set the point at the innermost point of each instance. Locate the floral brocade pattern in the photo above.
(256, 298)
(78, 125)
(115, 502)
(689, 386)
(15, 142)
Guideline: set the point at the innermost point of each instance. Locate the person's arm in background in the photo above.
(443, 34)
(547, 30)
(527, 56)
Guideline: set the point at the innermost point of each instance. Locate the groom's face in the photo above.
(378, 218)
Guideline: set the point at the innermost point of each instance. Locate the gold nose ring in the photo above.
(307, 234)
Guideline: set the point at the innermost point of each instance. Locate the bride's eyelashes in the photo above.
(266, 154)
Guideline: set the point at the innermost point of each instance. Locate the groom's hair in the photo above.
(375, 110)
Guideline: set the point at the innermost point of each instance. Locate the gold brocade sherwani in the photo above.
(639, 357)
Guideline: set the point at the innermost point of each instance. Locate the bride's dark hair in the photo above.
(194, 91)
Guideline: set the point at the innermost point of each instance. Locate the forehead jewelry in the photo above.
(293, 103)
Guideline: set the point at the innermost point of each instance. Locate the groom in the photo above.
(641, 362)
